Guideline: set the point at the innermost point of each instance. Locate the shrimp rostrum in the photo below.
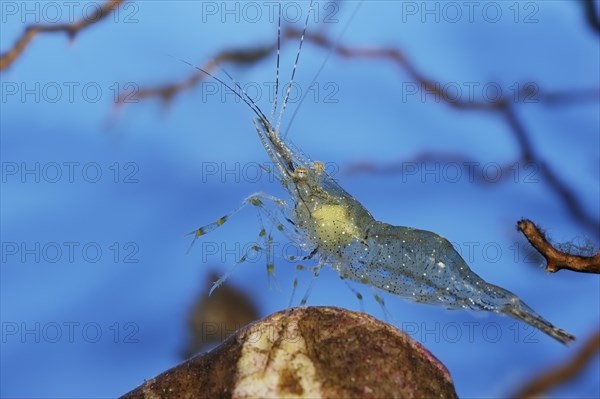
(337, 230)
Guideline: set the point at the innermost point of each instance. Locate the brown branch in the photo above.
(562, 373)
(168, 91)
(591, 14)
(474, 170)
(564, 97)
(568, 197)
(245, 56)
(527, 91)
(556, 259)
(7, 58)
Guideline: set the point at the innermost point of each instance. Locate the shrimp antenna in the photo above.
(335, 45)
(289, 88)
(262, 115)
(277, 69)
(245, 98)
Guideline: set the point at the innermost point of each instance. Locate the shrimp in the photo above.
(338, 231)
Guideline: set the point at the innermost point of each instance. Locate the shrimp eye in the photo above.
(319, 167)
(300, 172)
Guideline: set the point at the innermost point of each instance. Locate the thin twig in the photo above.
(556, 259)
(7, 58)
(591, 14)
(562, 373)
(246, 56)
(168, 91)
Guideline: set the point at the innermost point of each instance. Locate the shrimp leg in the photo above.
(265, 204)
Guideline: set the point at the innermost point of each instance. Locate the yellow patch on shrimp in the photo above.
(333, 226)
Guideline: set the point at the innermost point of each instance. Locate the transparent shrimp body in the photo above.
(412, 263)
(333, 227)
(338, 231)
(425, 267)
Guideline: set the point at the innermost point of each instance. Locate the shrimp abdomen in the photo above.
(425, 267)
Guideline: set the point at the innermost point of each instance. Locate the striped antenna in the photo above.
(289, 88)
(337, 42)
(277, 69)
(245, 98)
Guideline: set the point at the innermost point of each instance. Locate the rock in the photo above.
(214, 317)
(308, 352)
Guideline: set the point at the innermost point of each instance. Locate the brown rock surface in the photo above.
(308, 352)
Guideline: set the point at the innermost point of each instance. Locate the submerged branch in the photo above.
(555, 258)
(8, 57)
(562, 373)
